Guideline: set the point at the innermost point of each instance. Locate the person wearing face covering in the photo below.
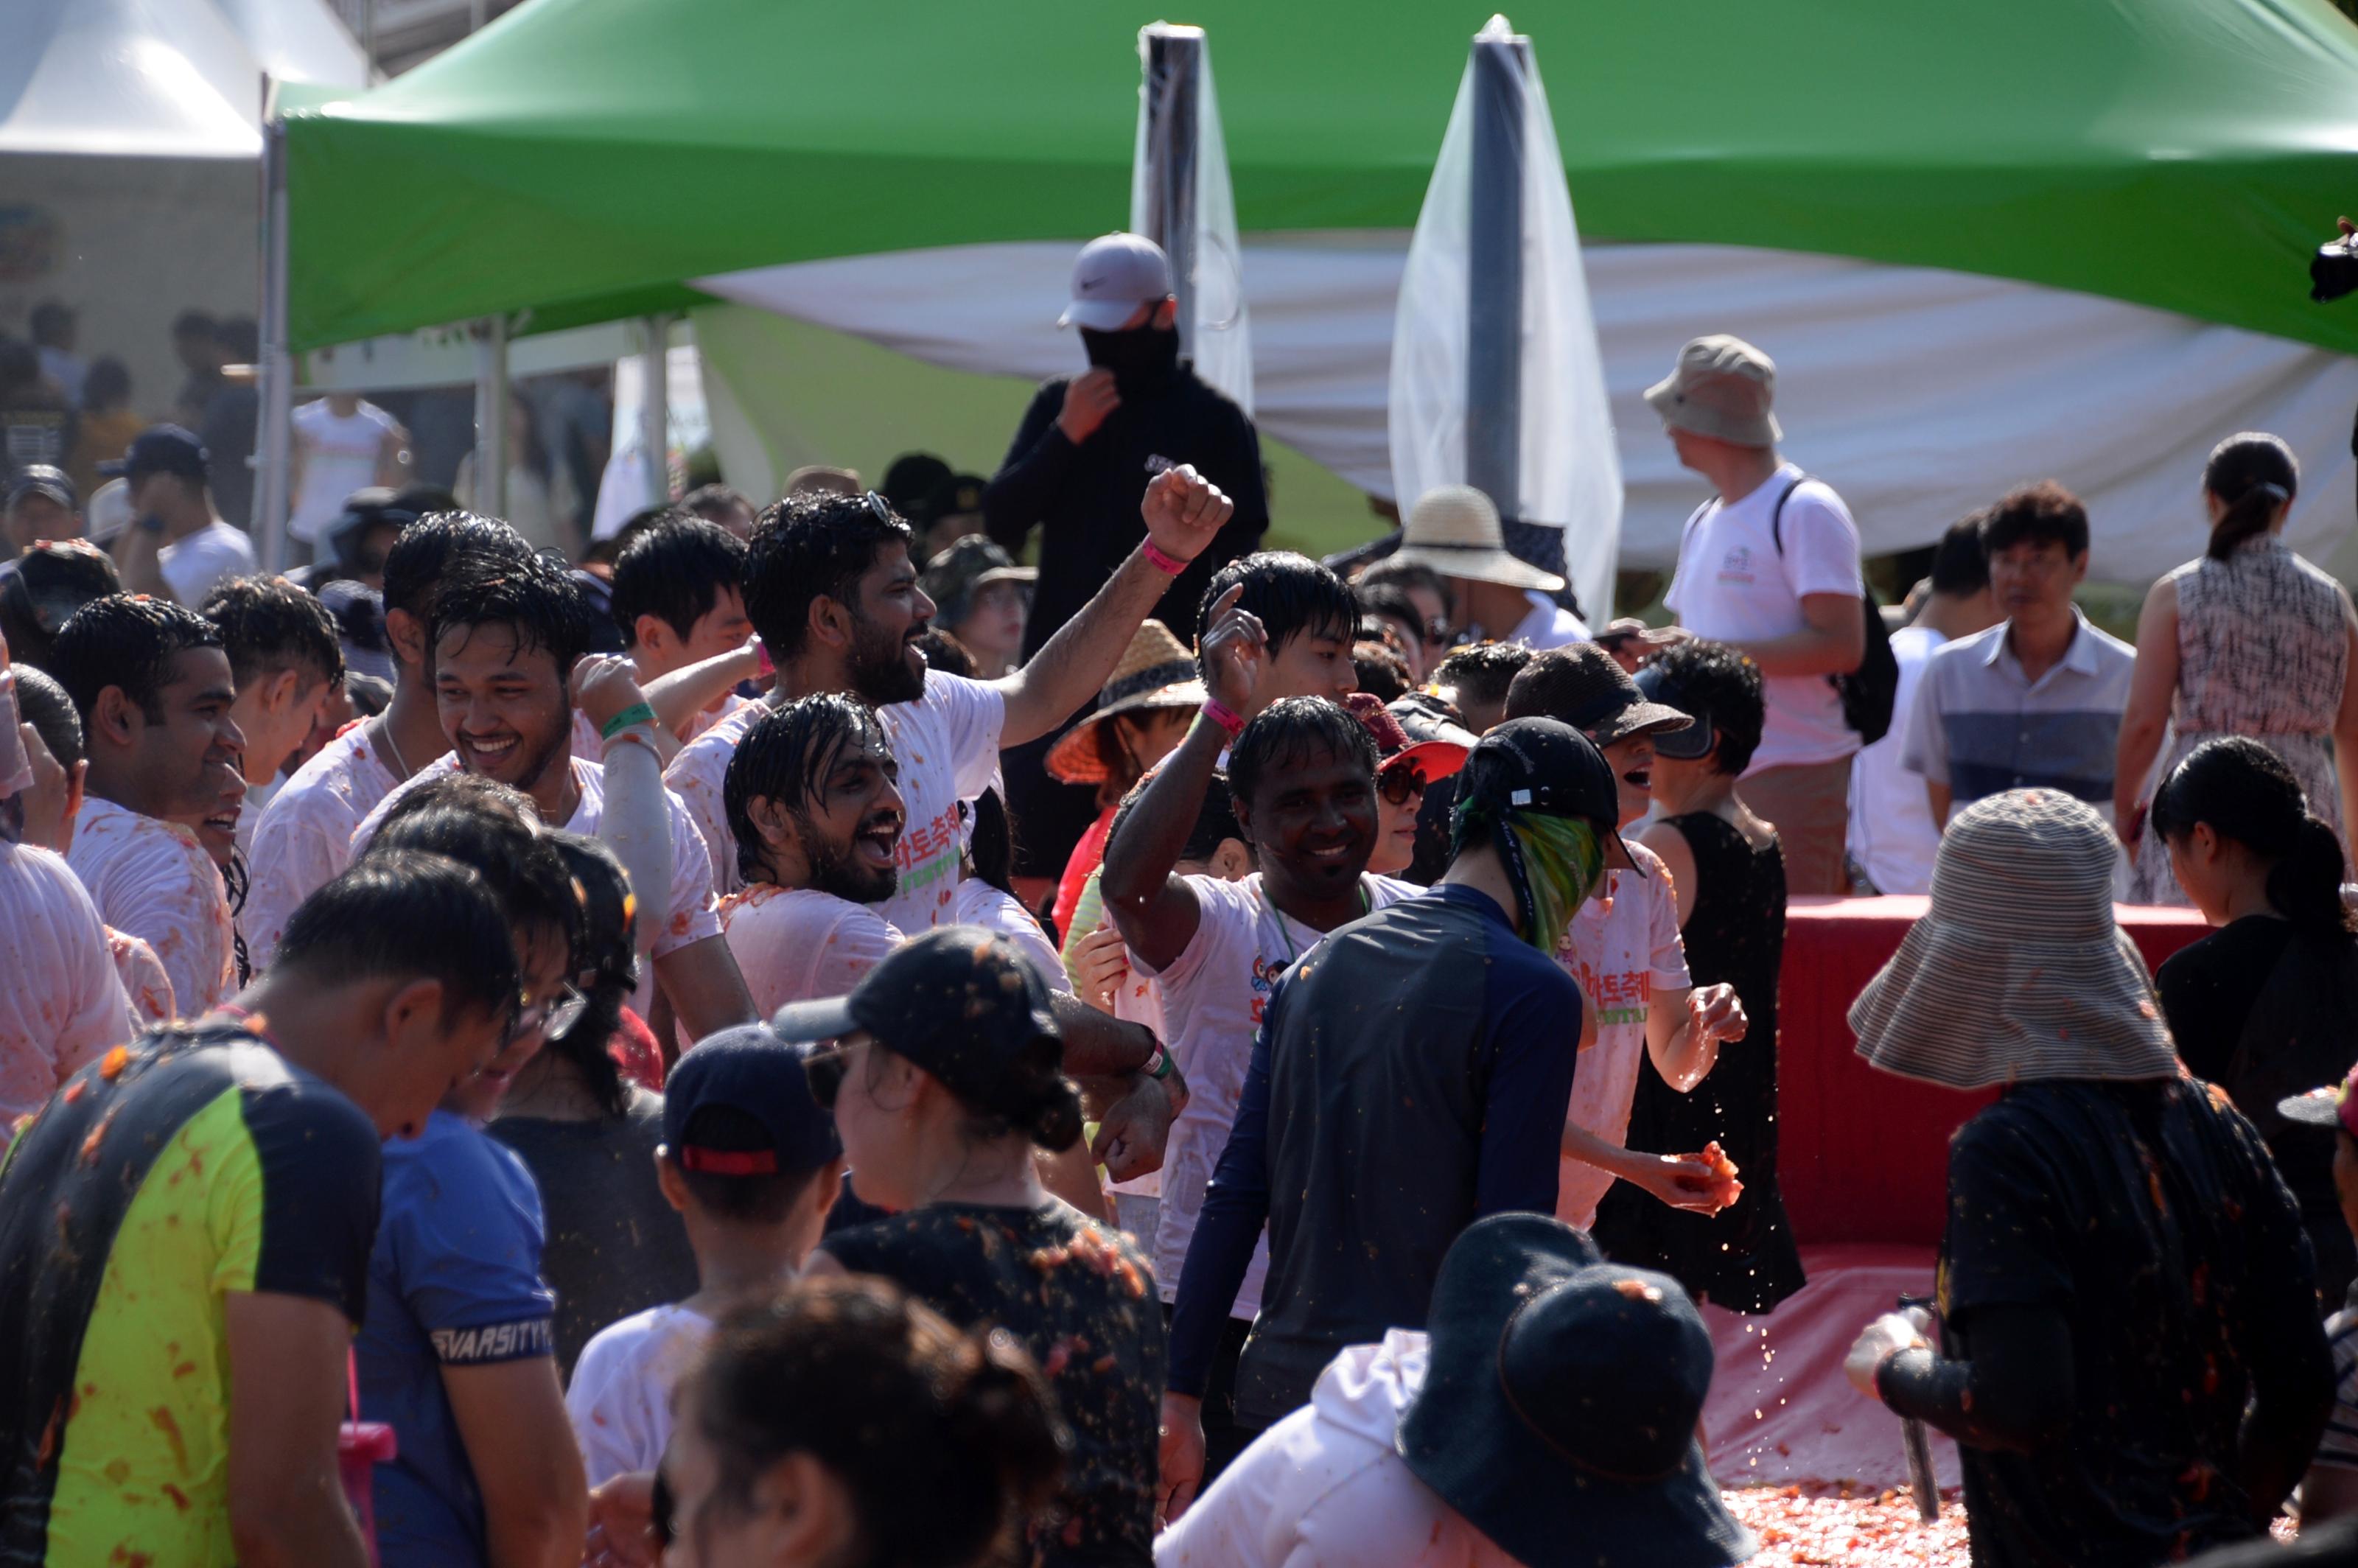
(1410, 1077)
(1075, 470)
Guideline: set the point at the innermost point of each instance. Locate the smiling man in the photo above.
(154, 692)
(1302, 777)
(505, 637)
(817, 818)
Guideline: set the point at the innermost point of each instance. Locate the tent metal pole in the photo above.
(1175, 82)
(1494, 275)
(491, 416)
(274, 450)
(655, 409)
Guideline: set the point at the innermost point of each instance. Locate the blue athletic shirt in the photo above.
(454, 1282)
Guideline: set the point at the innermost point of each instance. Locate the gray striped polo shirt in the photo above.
(1981, 728)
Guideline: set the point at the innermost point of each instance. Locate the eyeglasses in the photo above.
(1400, 785)
(554, 1018)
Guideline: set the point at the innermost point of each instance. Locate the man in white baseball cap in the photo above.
(1078, 465)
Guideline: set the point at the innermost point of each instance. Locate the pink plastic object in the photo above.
(361, 1446)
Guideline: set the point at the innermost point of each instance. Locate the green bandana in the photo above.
(1554, 862)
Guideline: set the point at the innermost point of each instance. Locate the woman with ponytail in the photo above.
(842, 1424)
(945, 1073)
(2268, 1003)
(2250, 640)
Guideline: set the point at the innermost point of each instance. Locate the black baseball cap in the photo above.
(39, 479)
(1545, 766)
(1685, 745)
(160, 449)
(749, 1070)
(962, 1003)
(606, 954)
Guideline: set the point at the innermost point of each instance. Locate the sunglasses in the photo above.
(1400, 785)
(825, 1070)
(554, 1018)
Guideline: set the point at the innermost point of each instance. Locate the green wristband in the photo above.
(637, 713)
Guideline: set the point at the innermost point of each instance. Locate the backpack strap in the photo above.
(1777, 517)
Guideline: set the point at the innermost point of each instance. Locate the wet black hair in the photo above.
(1718, 686)
(128, 641)
(763, 1198)
(1215, 819)
(1293, 596)
(1291, 730)
(992, 846)
(1389, 601)
(1482, 671)
(405, 914)
(268, 624)
(1403, 576)
(808, 547)
(431, 547)
(494, 830)
(674, 571)
(50, 712)
(2253, 474)
(896, 1405)
(2246, 792)
(1383, 674)
(785, 756)
(535, 597)
(606, 968)
(2041, 514)
(1961, 560)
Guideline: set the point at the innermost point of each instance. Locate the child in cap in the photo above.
(752, 1164)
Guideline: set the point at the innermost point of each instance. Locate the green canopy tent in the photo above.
(581, 159)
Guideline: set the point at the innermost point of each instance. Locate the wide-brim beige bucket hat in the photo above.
(1156, 671)
(1721, 388)
(1453, 529)
(2019, 972)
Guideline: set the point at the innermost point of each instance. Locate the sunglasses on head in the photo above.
(1402, 784)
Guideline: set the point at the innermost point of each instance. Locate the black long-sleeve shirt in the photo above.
(1084, 498)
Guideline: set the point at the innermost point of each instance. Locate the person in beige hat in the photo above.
(2128, 1349)
(1769, 566)
(1141, 713)
(1454, 529)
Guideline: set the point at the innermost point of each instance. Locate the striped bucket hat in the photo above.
(2019, 972)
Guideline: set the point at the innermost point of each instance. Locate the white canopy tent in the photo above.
(1921, 393)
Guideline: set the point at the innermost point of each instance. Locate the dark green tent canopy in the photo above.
(584, 159)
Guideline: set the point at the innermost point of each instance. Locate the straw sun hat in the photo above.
(2019, 972)
(1156, 671)
(1454, 529)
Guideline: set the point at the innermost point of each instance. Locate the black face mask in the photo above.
(1142, 358)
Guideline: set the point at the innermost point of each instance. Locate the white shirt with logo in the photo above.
(1734, 585)
(1213, 996)
(1622, 947)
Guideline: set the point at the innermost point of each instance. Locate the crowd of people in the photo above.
(783, 1036)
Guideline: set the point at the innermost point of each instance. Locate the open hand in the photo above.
(604, 684)
(1182, 512)
(1235, 655)
(1088, 398)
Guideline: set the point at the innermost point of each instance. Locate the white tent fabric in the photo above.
(1566, 470)
(1919, 394)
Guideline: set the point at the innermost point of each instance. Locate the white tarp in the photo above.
(1919, 394)
(1219, 336)
(1567, 472)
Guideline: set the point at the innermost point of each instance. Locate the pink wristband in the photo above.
(1218, 713)
(1161, 560)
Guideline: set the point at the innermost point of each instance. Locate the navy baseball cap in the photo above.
(749, 1070)
(160, 449)
(1684, 745)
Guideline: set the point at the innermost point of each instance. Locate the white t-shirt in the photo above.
(947, 745)
(620, 1400)
(1733, 585)
(152, 879)
(1213, 995)
(339, 456)
(977, 902)
(1326, 1485)
(1549, 626)
(64, 1003)
(690, 916)
(214, 554)
(303, 839)
(143, 979)
(801, 945)
(1621, 948)
(1892, 834)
